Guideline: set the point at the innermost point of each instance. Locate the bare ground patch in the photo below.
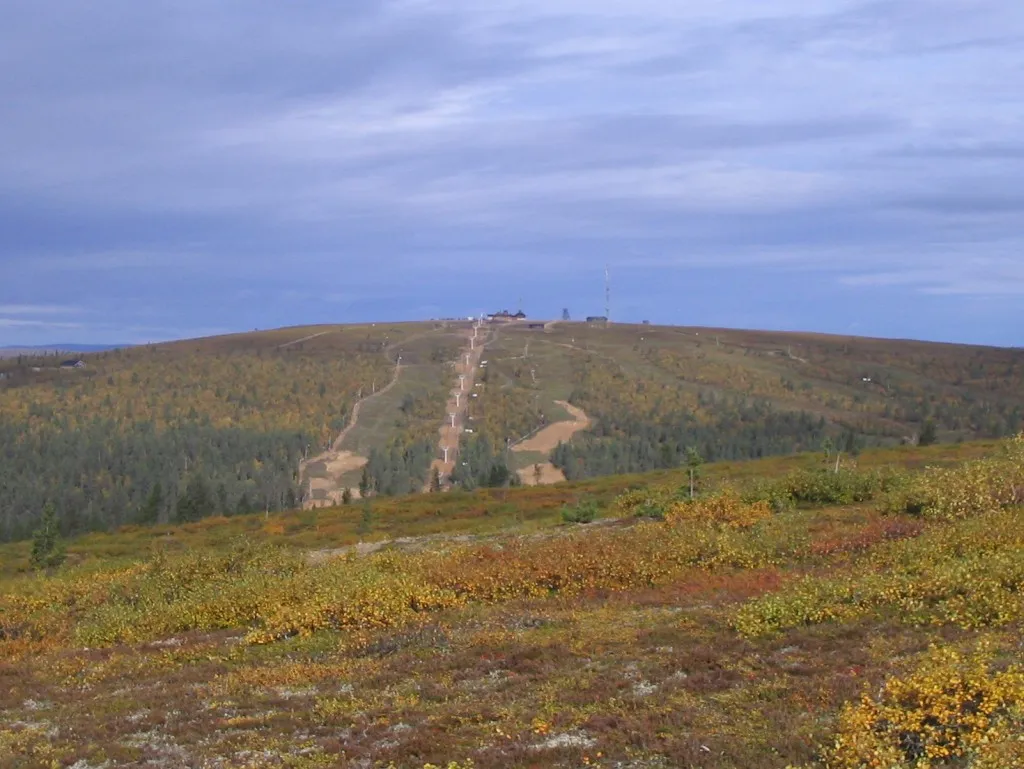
(560, 432)
(325, 477)
(548, 474)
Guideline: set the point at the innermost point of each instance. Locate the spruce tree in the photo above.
(150, 512)
(47, 549)
(197, 502)
(929, 434)
(243, 506)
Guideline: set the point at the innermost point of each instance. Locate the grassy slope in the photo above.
(644, 677)
(825, 372)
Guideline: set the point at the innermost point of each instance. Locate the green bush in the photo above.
(846, 487)
(776, 493)
(581, 512)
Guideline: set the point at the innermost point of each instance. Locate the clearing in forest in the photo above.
(546, 441)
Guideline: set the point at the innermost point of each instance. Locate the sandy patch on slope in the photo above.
(325, 486)
(559, 432)
(548, 474)
(344, 462)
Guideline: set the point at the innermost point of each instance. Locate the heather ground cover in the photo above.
(798, 617)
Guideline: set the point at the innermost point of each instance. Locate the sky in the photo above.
(178, 169)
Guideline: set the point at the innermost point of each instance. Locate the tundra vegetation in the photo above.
(791, 612)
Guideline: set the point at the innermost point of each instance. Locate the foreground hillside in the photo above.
(312, 416)
(789, 615)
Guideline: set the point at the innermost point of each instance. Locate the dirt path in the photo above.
(559, 432)
(545, 473)
(458, 404)
(304, 339)
(322, 474)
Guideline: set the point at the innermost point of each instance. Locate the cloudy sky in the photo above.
(180, 168)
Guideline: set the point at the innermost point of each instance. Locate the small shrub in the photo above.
(973, 488)
(967, 574)
(581, 512)
(776, 494)
(847, 487)
(648, 502)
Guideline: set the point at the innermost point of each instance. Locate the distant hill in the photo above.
(173, 431)
(13, 351)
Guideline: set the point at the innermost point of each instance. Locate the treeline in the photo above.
(622, 442)
(104, 474)
(398, 469)
(482, 464)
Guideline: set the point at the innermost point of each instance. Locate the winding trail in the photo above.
(558, 432)
(337, 462)
(354, 416)
(305, 339)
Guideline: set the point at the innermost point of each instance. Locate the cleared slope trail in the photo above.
(466, 366)
(326, 488)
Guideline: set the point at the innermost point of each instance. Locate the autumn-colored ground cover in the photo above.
(751, 627)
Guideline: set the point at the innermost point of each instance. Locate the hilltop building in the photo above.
(506, 315)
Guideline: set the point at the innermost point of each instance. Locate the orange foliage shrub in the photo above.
(726, 508)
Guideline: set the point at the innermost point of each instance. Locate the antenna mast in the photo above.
(607, 296)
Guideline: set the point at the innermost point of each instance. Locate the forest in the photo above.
(172, 432)
(177, 432)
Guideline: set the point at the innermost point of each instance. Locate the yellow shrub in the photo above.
(972, 488)
(952, 708)
(726, 508)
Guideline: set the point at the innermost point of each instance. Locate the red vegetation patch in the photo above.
(879, 530)
(699, 583)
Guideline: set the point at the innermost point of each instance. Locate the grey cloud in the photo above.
(160, 143)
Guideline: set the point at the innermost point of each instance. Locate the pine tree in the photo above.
(197, 502)
(150, 512)
(929, 434)
(435, 480)
(366, 522)
(346, 496)
(365, 483)
(243, 506)
(47, 549)
(222, 500)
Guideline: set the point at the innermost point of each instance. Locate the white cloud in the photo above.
(16, 323)
(37, 309)
(950, 272)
